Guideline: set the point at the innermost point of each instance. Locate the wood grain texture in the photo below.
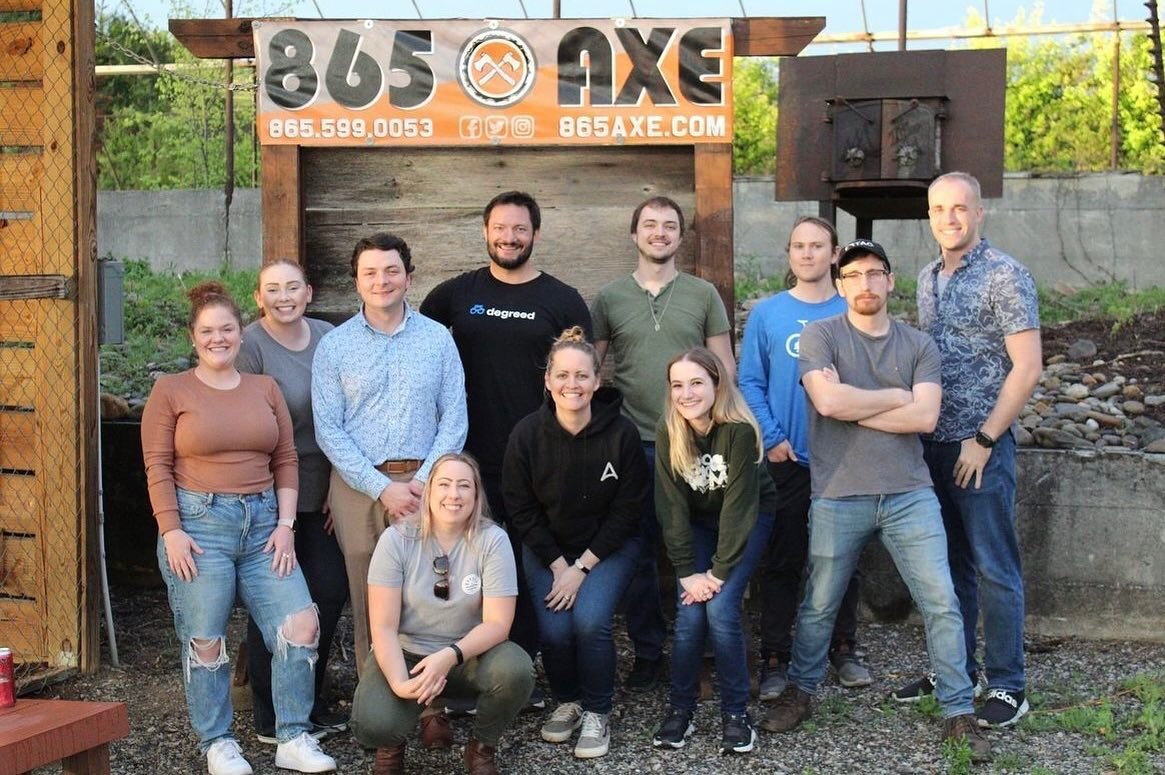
(21, 51)
(38, 732)
(21, 115)
(714, 220)
(282, 205)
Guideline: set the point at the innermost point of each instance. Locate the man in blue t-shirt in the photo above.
(771, 383)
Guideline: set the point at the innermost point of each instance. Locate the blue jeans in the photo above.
(984, 556)
(578, 650)
(911, 529)
(232, 531)
(642, 605)
(720, 618)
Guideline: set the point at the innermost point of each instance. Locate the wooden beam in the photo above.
(232, 38)
(713, 168)
(282, 203)
(34, 286)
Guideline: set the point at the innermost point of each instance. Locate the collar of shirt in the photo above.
(373, 329)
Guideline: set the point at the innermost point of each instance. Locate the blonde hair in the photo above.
(574, 338)
(728, 405)
(480, 516)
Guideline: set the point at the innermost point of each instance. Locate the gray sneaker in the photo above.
(773, 679)
(566, 718)
(852, 673)
(595, 738)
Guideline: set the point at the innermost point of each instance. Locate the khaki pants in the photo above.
(359, 521)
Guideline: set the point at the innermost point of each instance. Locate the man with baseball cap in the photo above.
(873, 385)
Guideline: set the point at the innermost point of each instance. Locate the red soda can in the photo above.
(7, 679)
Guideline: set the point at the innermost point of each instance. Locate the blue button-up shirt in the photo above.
(988, 297)
(378, 396)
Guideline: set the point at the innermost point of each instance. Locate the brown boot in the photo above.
(435, 731)
(479, 758)
(966, 727)
(790, 709)
(390, 761)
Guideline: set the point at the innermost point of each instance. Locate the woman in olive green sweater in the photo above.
(715, 502)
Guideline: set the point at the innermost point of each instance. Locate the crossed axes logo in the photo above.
(496, 68)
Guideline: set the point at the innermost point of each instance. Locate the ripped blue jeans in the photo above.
(232, 531)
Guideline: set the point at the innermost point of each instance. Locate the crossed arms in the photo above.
(892, 410)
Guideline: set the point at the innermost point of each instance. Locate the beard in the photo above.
(516, 262)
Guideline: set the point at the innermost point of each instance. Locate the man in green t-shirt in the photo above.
(645, 319)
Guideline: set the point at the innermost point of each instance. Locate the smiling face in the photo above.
(571, 379)
(381, 280)
(216, 335)
(509, 236)
(956, 216)
(811, 252)
(283, 293)
(452, 494)
(657, 234)
(865, 293)
(693, 392)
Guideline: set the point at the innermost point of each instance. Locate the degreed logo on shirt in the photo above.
(504, 314)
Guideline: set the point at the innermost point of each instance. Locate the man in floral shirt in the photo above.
(979, 304)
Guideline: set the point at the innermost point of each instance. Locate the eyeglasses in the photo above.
(873, 275)
(441, 568)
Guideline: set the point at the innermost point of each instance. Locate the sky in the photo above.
(841, 15)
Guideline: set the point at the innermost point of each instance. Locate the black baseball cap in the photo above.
(862, 247)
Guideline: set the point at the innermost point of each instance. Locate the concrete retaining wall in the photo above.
(1078, 230)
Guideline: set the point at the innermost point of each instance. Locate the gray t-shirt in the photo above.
(261, 354)
(480, 568)
(849, 459)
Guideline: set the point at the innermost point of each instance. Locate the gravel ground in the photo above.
(853, 731)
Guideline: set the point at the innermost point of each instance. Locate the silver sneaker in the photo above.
(566, 718)
(773, 680)
(224, 757)
(852, 673)
(595, 738)
(303, 754)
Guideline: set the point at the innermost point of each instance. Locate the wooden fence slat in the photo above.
(20, 176)
(21, 119)
(17, 391)
(23, 625)
(20, 510)
(20, 575)
(18, 323)
(20, 5)
(34, 286)
(18, 441)
(20, 245)
(20, 52)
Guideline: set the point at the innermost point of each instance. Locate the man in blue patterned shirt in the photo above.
(979, 304)
(388, 395)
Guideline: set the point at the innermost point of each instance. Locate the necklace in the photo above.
(657, 319)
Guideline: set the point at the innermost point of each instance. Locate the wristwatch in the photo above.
(983, 440)
(579, 564)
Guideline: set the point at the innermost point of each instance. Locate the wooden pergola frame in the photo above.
(281, 180)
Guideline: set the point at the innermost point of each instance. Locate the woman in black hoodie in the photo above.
(573, 479)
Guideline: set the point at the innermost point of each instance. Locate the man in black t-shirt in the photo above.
(504, 317)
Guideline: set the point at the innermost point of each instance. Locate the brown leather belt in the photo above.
(397, 467)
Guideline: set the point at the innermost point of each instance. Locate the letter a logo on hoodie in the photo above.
(608, 473)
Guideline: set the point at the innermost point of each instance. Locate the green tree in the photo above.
(754, 86)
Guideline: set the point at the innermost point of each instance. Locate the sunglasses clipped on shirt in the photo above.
(441, 568)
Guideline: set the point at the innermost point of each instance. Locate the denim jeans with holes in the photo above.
(232, 531)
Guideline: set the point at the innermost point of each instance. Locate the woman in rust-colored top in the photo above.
(223, 479)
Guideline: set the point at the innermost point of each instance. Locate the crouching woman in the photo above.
(441, 598)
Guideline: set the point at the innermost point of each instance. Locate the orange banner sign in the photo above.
(465, 82)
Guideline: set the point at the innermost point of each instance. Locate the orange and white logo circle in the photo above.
(496, 68)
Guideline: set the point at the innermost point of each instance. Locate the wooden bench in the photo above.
(34, 733)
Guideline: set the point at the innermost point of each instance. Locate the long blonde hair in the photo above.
(728, 405)
(480, 516)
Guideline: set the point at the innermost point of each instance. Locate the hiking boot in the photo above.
(389, 761)
(436, 731)
(674, 730)
(644, 674)
(773, 679)
(224, 757)
(566, 718)
(1002, 708)
(791, 708)
(965, 727)
(924, 687)
(738, 735)
(303, 754)
(595, 738)
(852, 673)
(479, 758)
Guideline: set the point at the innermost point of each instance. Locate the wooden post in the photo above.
(714, 220)
(282, 208)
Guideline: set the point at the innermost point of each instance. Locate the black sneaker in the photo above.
(537, 701)
(644, 674)
(924, 687)
(330, 723)
(739, 736)
(1002, 708)
(674, 730)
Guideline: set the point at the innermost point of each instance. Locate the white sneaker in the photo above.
(224, 757)
(562, 723)
(303, 754)
(595, 737)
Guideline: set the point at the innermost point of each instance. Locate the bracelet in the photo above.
(457, 651)
(578, 563)
(287, 523)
